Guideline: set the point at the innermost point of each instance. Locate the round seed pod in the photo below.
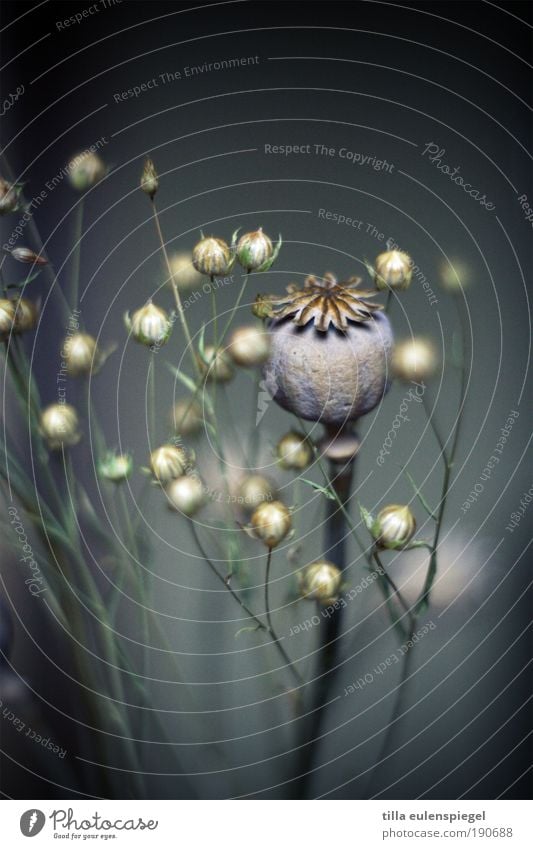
(271, 522)
(395, 526)
(414, 360)
(26, 315)
(249, 346)
(169, 462)
(294, 451)
(7, 318)
(211, 256)
(185, 494)
(85, 170)
(116, 467)
(60, 425)
(321, 582)
(81, 354)
(254, 249)
(394, 270)
(254, 490)
(329, 377)
(149, 325)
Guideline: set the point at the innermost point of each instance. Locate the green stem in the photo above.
(423, 600)
(297, 677)
(76, 259)
(151, 401)
(235, 308)
(175, 290)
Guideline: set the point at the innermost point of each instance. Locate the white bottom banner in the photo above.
(246, 824)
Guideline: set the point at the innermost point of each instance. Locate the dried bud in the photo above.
(294, 451)
(7, 318)
(184, 274)
(393, 270)
(262, 307)
(186, 417)
(186, 494)
(169, 462)
(394, 527)
(26, 315)
(249, 346)
(86, 170)
(321, 581)
(9, 197)
(270, 523)
(212, 256)
(149, 325)
(149, 179)
(254, 490)
(414, 360)
(254, 250)
(81, 354)
(116, 467)
(217, 365)
(29, 256)
(60, 426)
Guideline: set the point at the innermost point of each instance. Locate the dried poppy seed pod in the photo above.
(216, 365)
(116, 467)
(254, 490)
(321, 581)
(270, 523)
(7, 318)
(86, 170)
(313, 370)
(186, 417)
(81, 354)
(255, 251)
(27, 255)
(26, 315)
(186, 494)
(212, 256)
(414, 360)
(395, 526)
(249, 346)
(169, 462)
(149, 325)
(149, 179)
(60, 426)
(294, 451)
(393, 270)
(9, 197)
(184, 274)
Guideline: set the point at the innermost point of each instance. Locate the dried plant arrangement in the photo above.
(325, 352)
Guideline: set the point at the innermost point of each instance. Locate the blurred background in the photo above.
(368, 92)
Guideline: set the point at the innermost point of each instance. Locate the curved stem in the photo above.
(406, 606)
(175, 290)
(273, 634)
(260, 625)
(235, 308)
(423, 599)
